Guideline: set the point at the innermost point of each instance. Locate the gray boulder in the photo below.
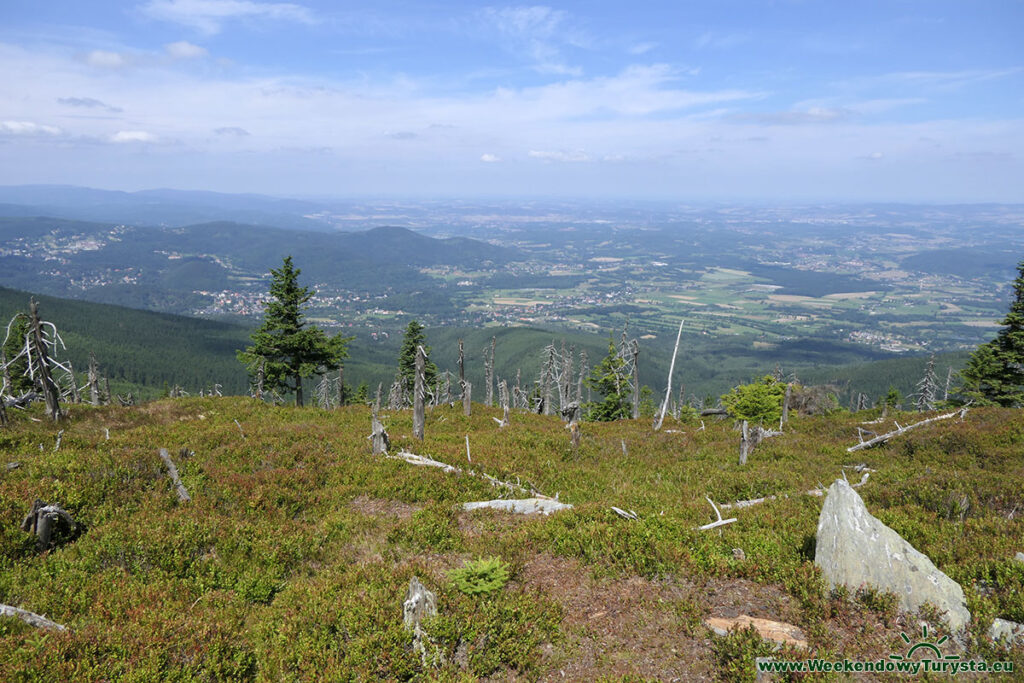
(854, 549)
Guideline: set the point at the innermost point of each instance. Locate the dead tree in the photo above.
(106, 390)
(396, 396)
(744, 443)
(785, 404)
(949, 378)
(489, 374)
(3, 412)
(565, 377)
(503, 400)
(341, 385)
(668, 390)
(381, 442)
(862, 401)
(172, 472)
(31, 618)
(261, 377)
(467, 397)
(882, 438)
(546, 373)
(376, 401)
(584, 371)
(462, 366)
(634, 348)
(927, 388)
(419, 393)
(39, 361)
(51, 525)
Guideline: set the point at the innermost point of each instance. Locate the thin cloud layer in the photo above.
(396, 97)
(209, 16)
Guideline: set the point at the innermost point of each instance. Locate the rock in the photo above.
(739, 554)
(524, 506)
(1009, 632)
(1019, 556)
(775, 631)
(855, 549)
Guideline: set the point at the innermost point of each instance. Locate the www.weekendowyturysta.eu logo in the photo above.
(924, 656)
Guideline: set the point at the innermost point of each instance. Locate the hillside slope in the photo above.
(293, 558)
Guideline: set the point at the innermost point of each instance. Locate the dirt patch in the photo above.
(617, 627)
(381, 507)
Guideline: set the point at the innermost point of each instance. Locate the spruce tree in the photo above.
(414, 336)
(610, 379)
(287, 348)
(994, 375)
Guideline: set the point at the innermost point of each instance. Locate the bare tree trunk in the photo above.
(106, 390)
(467, 397)
(489, 374)
(668, 389)
(381, 443)
(75, 397)
(172, 471)
(50, 393)
(503, 400)
(462, 366)
(744, 444)
(341, 385)
(785, 404)
(574, 435)
(545, 381)
(635, 349)
(582, 376)
(376, 401)
(419, 393)
(7, 372)
(298, 390)
(261, 377)
(3, 412)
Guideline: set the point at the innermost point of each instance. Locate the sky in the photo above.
(721, 100)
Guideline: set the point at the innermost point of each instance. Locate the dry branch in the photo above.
(720, 521)
(173, 472)
(31, 618)
(882, 438)
(668, 389)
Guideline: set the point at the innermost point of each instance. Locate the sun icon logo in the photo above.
(924, 644)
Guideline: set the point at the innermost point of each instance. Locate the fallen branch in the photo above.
(525, 506)
(424, 461)
(882, 438)
(173, 472)
(31, 618)
(625, 514)
(812, 492)
(240, 428)
(720, 521)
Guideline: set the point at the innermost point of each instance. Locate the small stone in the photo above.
(739, 554)
(1019, 557)
(1006, 631)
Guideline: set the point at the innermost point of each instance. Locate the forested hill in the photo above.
(143, 352)
(140, 348)
(170, 269)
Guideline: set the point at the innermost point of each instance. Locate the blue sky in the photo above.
(774, 100)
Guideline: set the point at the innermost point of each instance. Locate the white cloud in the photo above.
(490, 158)
(132, 136)
(577, 156)
(232, 131)
(185, 50)
(537, 33)
(641, 48)
(27, 128)
(208, 16)
(104, 59)
(87, 103)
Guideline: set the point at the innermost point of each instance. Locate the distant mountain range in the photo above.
(159, 208)
(163, 268)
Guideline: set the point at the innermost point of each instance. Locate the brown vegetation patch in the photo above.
(618, 627)
(381, 507)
